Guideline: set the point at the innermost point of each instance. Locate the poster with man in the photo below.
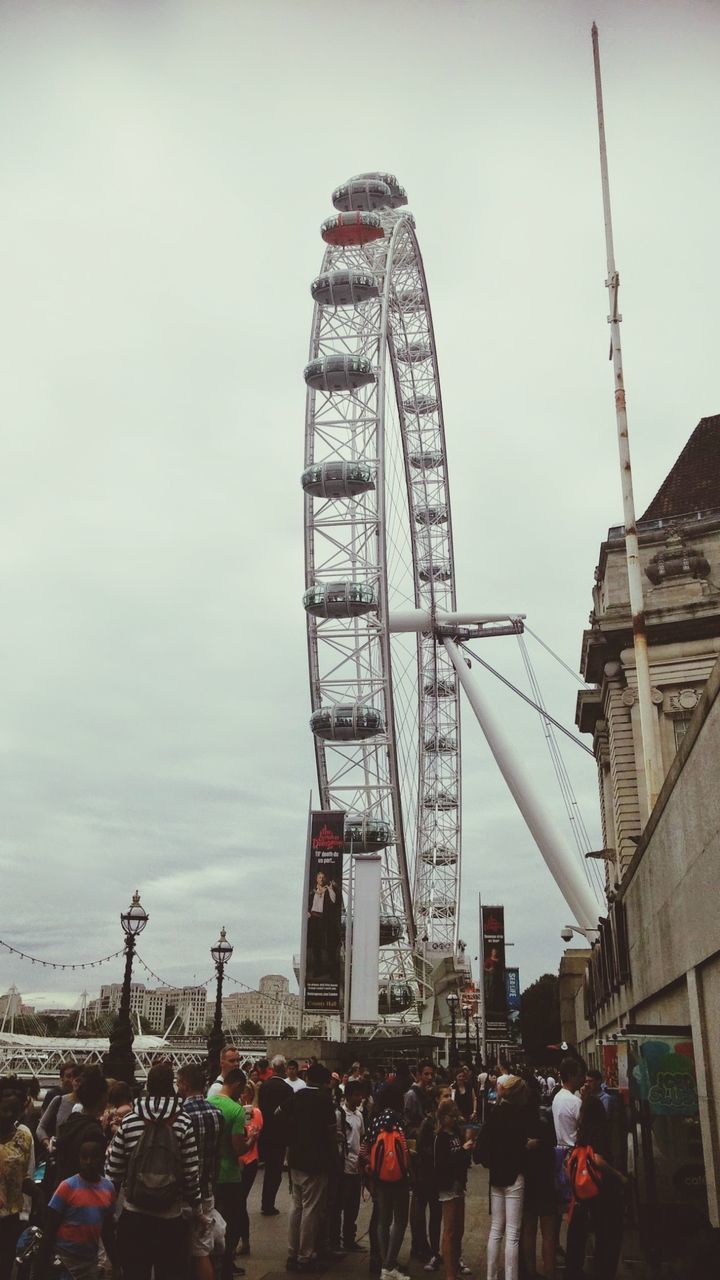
(323, 911)
(493, 941)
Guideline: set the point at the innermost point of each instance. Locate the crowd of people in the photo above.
(158, 1186)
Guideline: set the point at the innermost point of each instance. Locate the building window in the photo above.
(680, 727)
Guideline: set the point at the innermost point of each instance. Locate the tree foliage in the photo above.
(250, 1028)
(540, 1017)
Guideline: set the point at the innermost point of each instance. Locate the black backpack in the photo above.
(155, 1170)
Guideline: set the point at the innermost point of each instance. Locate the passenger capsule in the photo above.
(352, 228)
(421, 405)
(429, 461)
(440, 688)
(413, 353)
(391, 930)
(434, 573)
(349, 723)
(409, 300)
(440, 743)
(430, 515)
(338, 479)
(339, 599)
(441, 856)
(395, 997)
(344, 288)
(366, 835)
(339, 373)
(439, 798)
(398, 194)
(362, 193)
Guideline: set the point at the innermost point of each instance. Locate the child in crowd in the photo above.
(451, 1159)
(79, 1213)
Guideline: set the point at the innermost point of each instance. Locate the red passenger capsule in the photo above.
(354, 227)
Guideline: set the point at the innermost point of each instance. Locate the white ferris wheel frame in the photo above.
(350, 660)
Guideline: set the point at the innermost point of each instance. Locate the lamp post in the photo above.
(452, 1001)
(221, 953)
(119, 1061)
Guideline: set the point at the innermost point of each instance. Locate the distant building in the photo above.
(11, 1006)
(185, 1006)
(273, 1006)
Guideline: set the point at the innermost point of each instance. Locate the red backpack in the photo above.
(584, 1173)
(389, 1156)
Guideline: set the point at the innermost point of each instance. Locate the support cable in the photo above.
(577, 824)
(556, 656)
(541, 711)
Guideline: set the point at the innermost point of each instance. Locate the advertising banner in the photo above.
(512, 993)
(469, 999)
(493, 947)
(323, 968)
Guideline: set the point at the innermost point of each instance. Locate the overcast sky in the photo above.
(165, 169)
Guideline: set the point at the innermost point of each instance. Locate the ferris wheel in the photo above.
(378, 540)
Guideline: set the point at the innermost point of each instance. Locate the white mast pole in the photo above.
(649, 734)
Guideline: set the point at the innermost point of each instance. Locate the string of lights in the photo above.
(93, 964)
(173, 985)
(55, 964)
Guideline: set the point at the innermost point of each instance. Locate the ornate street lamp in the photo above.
(119, 1061)
(221, 953)
(452, 1001)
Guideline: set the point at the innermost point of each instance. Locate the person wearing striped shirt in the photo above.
(159, 1240)
(208, 1124)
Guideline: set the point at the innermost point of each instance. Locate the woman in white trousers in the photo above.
(502, 1147)
(507, 1211)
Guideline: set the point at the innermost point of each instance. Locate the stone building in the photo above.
(679, 536)
(273, 1006)
(157, 1006)
(653, 977)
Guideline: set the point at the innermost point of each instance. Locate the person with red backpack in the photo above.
(598, 1202)
(389, 1170)
(154, 1156)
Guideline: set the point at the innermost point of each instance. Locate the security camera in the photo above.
(566, 934)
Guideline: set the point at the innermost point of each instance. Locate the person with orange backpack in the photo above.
(389, 1171)
(598, 1201)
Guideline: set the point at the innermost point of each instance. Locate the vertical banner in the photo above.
(512, 999)
(493, 952)
(323, 909)
(512, 994)
(365, 973)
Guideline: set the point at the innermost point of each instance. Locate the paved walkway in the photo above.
(269, 1238)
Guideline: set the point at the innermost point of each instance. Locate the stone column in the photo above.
(623, 762)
